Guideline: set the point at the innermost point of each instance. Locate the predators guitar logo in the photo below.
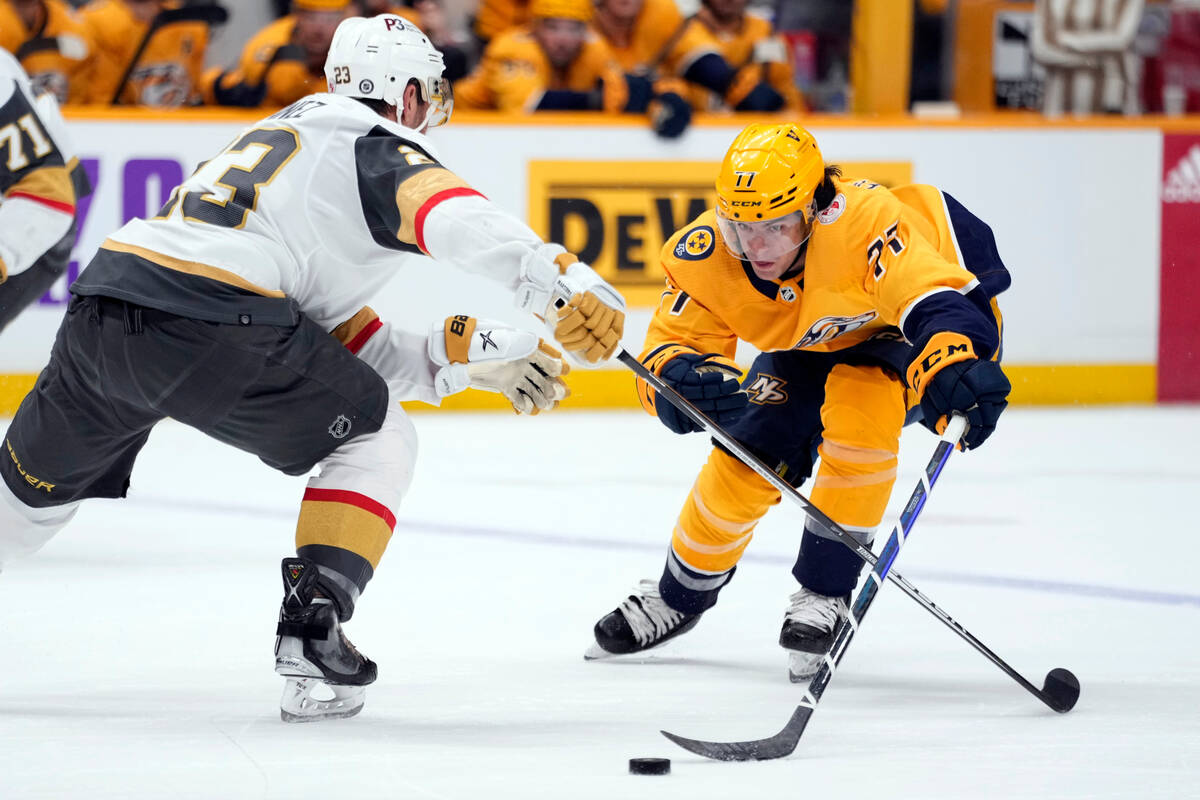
(696, 245)
(826, 329)
(767, 390)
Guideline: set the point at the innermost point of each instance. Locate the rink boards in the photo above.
(1099, 224)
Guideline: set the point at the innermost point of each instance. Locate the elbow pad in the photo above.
(28, 229)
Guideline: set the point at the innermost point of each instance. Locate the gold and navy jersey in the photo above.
(660, 42)
(169, 69)
(900, 264)
(270, 60)
(515, 72)
(751, 45)
(57, 55)
(494, 17)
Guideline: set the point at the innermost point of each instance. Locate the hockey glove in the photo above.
(488, 355)
(710, 383)
(589, 314)
(670, 115)
(949, 378)
(585, 314)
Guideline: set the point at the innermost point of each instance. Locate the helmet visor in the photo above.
(764, 240)
(441, 102)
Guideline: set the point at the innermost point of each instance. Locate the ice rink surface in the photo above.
(137, 646)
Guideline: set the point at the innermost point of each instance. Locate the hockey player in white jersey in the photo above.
(41, 183)
(240, 310)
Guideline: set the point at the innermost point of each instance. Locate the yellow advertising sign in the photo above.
(616, 215)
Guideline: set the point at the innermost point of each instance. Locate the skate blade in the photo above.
(298, 704)
(803, 666)
(596, 653)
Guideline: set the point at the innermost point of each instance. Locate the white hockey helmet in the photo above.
(376, 57)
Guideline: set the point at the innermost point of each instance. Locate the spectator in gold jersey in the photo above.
(51, 44)
(282, 62)
(750, 47)
(169, 57)
(557, 63)
(651, 38)
(494, 17)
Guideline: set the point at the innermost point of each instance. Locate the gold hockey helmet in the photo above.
(769, 171)
(580, 10)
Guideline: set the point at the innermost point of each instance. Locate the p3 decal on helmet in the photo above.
(696, 244)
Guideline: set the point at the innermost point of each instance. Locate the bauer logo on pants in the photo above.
(340, 427)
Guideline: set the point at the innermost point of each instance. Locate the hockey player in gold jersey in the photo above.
(51, 44)
(871, 307)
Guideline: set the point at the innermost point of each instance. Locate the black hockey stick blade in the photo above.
(777, 746)
(1061, 689)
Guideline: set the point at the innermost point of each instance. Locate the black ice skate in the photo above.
(808, 627)
(312, 652)
(643, 620)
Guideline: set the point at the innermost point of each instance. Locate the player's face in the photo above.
(769, 245)
(560, 40)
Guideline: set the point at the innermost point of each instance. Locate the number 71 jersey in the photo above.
(310, 210)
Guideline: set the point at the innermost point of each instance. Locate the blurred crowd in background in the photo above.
(663, 58)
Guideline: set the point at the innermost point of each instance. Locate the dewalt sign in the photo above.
(616, 215)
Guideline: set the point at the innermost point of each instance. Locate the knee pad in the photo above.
(862, 418)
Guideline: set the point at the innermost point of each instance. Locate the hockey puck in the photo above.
(649, 766)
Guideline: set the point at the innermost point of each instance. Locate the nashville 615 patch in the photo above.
(697, 244)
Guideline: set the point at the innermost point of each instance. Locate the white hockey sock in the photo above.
(24, 529)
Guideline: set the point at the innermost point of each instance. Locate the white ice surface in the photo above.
(136, 647)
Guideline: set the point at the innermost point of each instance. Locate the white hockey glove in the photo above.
(489, 355)
(585, 314)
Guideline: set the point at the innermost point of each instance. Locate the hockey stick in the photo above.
(210, 15)
(784, 742)
(1060, 690)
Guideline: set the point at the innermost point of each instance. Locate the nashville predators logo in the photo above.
(767, 390)
(826, 329)
(696, 245)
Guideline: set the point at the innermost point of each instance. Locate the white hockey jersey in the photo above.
(312, 210)
(36, 181)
